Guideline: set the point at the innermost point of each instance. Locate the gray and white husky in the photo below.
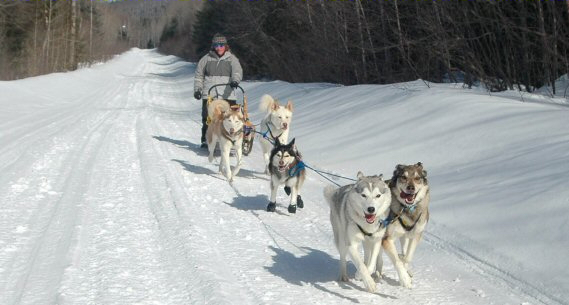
(357, 212)
(286, 167)
(409, 214)
(275, 125)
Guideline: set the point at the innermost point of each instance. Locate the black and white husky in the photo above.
(286, 167)
(357, 212)
(408, 217)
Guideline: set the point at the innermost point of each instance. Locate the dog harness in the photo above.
(296, 169)
(272, 137)
(397, 216)
(228, 137)
(367, 233)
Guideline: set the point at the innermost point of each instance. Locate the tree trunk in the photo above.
(362, 44)
(72, 63)
(545, 45)
(46, 42)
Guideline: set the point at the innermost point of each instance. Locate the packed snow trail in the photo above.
(108, 199)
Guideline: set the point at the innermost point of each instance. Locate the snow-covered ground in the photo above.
(106, 197)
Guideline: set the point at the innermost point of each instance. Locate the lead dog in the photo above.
(409, 214)
(275, 125)
(286, 168)
(226, 127)
(356, 213)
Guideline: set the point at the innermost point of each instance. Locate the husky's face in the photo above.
(233, 121)
(283, 155)
(281, 115)
(410, 182)
(371, 195)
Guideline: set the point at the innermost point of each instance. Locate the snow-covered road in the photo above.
(106, 198)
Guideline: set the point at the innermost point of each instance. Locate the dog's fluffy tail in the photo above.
(223, 106)
(329, 192)
(266, 104)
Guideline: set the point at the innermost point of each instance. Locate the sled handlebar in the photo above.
(219, 85)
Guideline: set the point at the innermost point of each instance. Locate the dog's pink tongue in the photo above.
(370, 218)
(409, 198)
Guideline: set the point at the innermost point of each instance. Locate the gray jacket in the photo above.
(213, 70)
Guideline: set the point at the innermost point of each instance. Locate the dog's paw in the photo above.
(210, 159)
(369, 283)
(344, 278)
(292, 208)
(271, 207)
(377, 276)
(299, 202)
(405, 280)
(287, 190)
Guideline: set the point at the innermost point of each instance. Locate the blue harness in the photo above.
(297, 169)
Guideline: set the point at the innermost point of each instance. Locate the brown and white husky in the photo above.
(409, 214)
(226, 127)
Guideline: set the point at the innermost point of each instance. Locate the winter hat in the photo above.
(218, 38)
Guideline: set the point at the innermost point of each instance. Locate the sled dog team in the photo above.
(372, 212)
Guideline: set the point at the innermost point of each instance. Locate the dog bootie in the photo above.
(299, 202)
(287, 190)
(204, 145)
(292, 208)
(271, 207)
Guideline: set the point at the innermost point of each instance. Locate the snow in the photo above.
(108, 199)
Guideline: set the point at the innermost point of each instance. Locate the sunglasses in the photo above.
(218, 45)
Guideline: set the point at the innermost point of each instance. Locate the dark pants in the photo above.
(204, 116)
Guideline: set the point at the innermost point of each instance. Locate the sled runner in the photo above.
(248, 127)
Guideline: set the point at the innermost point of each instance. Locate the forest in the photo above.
(501, 45)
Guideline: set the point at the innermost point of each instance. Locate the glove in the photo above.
(233, 84)
(198, 95)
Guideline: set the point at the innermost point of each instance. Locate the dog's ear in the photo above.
(396, 173)
(289, 105)
(360, 175)
(380, 177)
(398, 170)
(423, 172)
(277, 142)
(291, 143)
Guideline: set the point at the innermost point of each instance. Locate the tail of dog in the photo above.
(329, 192)
(267, 104)
(222, 104)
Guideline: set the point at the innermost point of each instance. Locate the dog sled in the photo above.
(248, 127)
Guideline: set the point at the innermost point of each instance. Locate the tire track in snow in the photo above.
(492, 271)
(175, 207)
(124, 256)
(38, 276)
